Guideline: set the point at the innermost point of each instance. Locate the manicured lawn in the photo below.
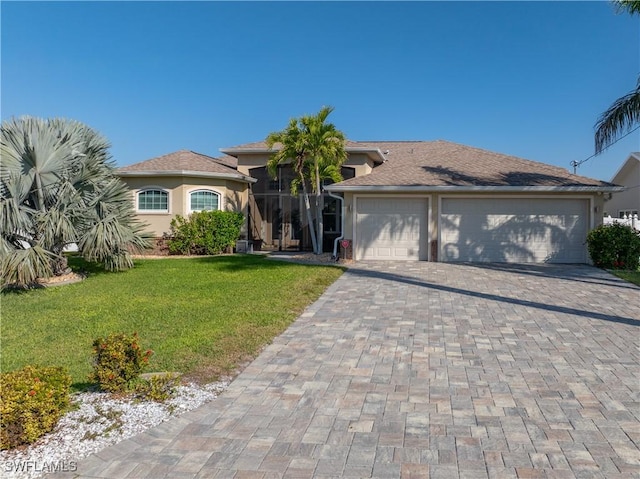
(631, 276)
(201, 316)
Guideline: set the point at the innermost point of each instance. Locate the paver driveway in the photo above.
(424, 370)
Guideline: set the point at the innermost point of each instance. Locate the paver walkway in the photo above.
(424, 370)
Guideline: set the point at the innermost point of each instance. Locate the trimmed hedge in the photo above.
(614, 246)
(205, 232)
(32, 400)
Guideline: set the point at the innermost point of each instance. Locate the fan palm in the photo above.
(57, 187)
(316, 152)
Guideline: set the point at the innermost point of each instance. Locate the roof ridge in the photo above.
(392, 141)
(200, 154)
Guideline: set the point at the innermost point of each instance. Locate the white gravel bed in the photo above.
(99, 420)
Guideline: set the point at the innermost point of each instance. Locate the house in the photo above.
(400, 200)
(183, 182)
(626, 203)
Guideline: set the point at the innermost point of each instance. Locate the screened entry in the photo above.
(278, 220)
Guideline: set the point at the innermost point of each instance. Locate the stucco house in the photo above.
(626, 203)
(400, 200)
(182, 182)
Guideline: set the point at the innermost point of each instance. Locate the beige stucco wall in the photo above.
(233, 196)
(630, 198)
(361, 163)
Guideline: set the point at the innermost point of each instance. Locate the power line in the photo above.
(575, 163)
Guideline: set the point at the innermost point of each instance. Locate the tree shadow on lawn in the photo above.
(241, 262)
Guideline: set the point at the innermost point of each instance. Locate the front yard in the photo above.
(201, 316)
(631, 276)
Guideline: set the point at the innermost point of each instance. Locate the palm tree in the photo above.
(621, 117)
(57, 187)
(316, 152)
(624, 114)
(630, 6)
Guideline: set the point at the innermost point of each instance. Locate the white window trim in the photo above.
(627, 212)
(208, 189)
(152, 212)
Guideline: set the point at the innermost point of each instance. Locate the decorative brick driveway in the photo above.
(424, 370)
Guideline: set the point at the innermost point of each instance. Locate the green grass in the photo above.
(631, 276)
(202, 317)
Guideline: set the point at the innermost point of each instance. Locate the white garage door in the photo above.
(391, 228)
(514, 230)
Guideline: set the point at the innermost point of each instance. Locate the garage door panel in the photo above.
(391, 228)
(514, 230)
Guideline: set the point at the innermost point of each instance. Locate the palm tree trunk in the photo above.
(318, 209)
(40, 194)
(59, 264)
(307, 207)
(320, 231)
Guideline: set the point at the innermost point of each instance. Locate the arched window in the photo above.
(204, 200)
(153, 200)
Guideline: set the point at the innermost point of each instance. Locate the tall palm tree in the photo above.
(57, 187)
(624, 114)
(316, 152)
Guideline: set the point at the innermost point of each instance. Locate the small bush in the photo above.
(117, 362)
(614, 246)
(206, 232)
(157, 387)
(32, 400)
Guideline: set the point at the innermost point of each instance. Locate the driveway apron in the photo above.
(423, 370)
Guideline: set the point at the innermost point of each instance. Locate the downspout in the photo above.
(342, 212)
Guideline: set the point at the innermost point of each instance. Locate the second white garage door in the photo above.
(536, 230)
(391, 228)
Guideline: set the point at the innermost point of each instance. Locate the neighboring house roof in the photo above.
(429, 165)
(186, 163)
(634, 159)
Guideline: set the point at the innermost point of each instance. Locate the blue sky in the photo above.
(523, 78)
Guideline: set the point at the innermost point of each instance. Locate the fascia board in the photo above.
(199, 174)
(375, 153)
(466, 189)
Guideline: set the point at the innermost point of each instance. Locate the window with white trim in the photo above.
(204, 200)
(155, 200)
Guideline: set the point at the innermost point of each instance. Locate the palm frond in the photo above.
(23, 267)
(58, 186)
(621, 117)
(15, 216)
(632, 7)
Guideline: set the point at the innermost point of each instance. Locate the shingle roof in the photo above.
(185, 160)
(442, 163)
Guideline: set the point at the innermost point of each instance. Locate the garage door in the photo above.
(514, 230)
(391, 228)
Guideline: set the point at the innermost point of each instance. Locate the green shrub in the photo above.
(117, 362)
(32, 400)
(157, 387)
(614, 246)
(205, 232)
